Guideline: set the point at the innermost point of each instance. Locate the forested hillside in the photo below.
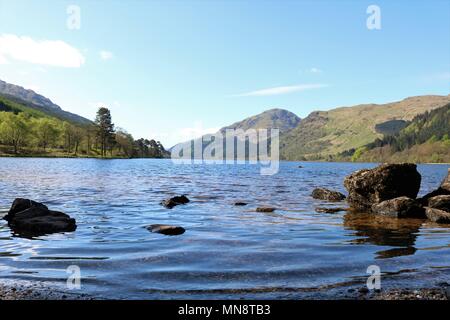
(28, 131)
(424, 139)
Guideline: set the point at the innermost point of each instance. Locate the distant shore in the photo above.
(69, 156)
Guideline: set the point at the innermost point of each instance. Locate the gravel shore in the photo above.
(21, 290)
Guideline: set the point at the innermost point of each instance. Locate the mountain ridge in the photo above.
(38, 102)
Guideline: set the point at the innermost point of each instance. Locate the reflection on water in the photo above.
(384, 231)
(227, 251)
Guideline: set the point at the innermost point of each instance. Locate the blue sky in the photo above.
(169, 69)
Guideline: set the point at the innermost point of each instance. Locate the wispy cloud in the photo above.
(282, 90)
(315, 70)
(106, 55)
(42, 52)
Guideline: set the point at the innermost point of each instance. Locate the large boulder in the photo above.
(440, 202)
(402, 207)
(34, 218)
(388, 181)
(436, 215)
(442, 190)
(20, 204)
(329, 195)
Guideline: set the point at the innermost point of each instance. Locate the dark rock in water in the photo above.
(402, 207)
(443, 190)
(445, 184)
(325, 194)
(20, 204)
(440, 202)
(265, 209)
(388, 181)
(240, 204)
(300, 167)
(363, 290)
(166, 229)
(34, 218)
(174, 201)
(330, 210)
(436, 215)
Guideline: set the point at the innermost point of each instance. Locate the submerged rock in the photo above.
(436, 215)
(265, 209)
(166, 229)
(330, 210)
(34, 218)
(240, 203)
(174, 201)
(440, 202)
(325, 194)
(402, 207)
(388, 181)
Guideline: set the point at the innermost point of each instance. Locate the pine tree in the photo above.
(105, 129)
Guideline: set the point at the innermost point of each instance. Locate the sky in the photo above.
(170, 70)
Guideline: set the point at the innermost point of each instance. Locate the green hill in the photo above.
(25, 98)
(323, 134)
(424, 139)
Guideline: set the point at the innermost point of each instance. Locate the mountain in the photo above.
(273, 118)
(336, 134)
(35, 101)
(323, 134)
(424, 139)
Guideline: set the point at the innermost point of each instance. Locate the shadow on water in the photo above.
(384, 231)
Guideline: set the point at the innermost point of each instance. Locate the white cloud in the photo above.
(282, 90)
(3, 60)
(42, 52)
(315, 70)
(106, 55)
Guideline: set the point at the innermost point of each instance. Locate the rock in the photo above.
(174, 201)
(166, 229)
(363, 290)
(37, 219)
(445, 184)
(440, 202)
(402, 207)
(447, 293)
(20, 204)
(437, 215)
(240, 204)
(388, 181)
(442, 190)
(330, 210)
(325, 194)
(265, 209)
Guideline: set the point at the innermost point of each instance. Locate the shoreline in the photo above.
(35, 290)
(8, 156)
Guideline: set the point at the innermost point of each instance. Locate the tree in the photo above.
(14, 130)
(125, 142)
(105, 129)
(46, 132)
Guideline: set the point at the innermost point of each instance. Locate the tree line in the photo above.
(24, 134)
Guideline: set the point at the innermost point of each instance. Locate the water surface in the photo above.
(227, 251)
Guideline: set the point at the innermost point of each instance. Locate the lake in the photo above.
(227, 251)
